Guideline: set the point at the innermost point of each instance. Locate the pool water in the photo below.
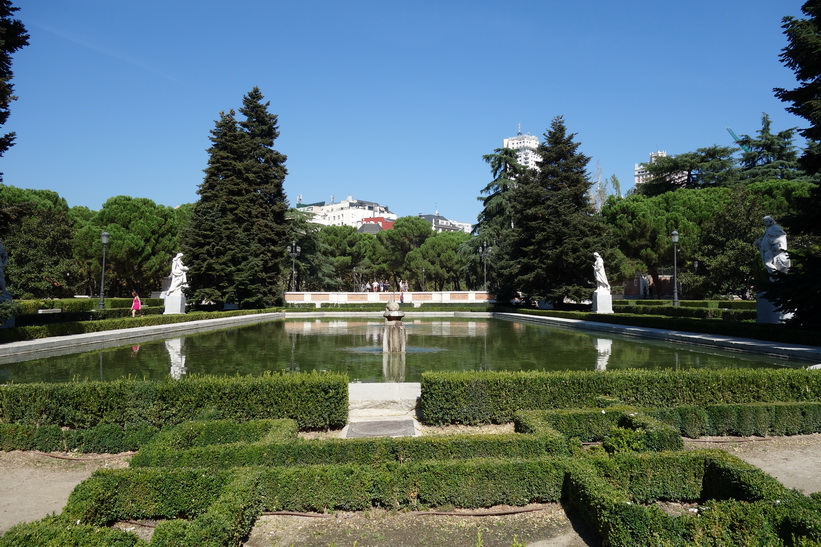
(354, 346)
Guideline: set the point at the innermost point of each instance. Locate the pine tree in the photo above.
(13, 36)
(549, 252)
(799, 290)
(235, 246)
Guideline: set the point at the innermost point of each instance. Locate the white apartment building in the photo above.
(525, 146)
(640, 173)
(348, 212)
(441, 224)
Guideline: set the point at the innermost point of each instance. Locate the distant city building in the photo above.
(374, 225)
(640, 172)
(525, 147)
(348, 212)
(441, 224)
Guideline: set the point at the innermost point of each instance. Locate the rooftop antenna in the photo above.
(520, 129)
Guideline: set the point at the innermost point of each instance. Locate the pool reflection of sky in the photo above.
(354, 346)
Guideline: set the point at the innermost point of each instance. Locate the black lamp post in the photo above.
(293, 252)
(484, 250)
(423, 279)
(674, 235)
(104, 238)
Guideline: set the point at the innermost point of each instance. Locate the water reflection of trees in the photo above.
(291, 346)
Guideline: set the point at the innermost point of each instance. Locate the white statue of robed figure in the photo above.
(602, 301)
(598, 271)
(773, 247)
(174, 297)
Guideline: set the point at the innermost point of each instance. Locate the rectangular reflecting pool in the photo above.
(353, 346)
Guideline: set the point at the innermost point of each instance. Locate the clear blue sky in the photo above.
(385, 101)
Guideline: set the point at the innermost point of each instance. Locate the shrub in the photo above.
(314, 400)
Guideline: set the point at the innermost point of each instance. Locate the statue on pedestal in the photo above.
(179, 279)
(174, 297)
(773, 247)
(598, 271)
(602, 301)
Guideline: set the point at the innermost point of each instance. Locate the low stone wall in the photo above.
(415, 298)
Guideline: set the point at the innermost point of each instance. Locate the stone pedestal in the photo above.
(174, 304)
(602, 301)
(766, 311)
(393, 337)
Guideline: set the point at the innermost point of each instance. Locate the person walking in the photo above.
(136, 304)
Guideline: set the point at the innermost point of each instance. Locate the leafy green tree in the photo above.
(441, 257)
(39, 244)
(314, 267)
(769, 156)
(548, 253)
(704, 168)
(13, 37)
(235, 247)
(144, 236)
(408, 233)
(799, 290)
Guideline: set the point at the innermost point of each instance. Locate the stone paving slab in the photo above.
(381, 428)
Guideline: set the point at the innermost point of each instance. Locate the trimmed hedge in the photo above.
(313, 400)
(737, 503)
(741, 329)
(80, 327)
(744, 420)
(104, 438)
(608, 425)
(493, 397)
(366, 451)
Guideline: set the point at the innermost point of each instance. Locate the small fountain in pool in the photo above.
(394, 338)
(394, 344)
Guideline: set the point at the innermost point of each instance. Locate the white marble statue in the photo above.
(773, 247)
(598, 270)
(179, 278)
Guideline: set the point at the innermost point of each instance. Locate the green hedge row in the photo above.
(105, 438)
(80, 327)
(740, 329)
(82, 304)
(735, 503)
(743, 420)
(696, 312)
(313, 400)
(613, 426)
(727, 304)
(493, 397)
(365, 451)
(738, 504)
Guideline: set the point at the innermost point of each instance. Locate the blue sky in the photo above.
(384, 101)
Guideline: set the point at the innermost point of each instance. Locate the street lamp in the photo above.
(104, 239)
(293, 252)
(484, 250)
(423, 278)
(674, 235)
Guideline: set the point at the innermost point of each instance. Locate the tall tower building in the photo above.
(525, 146)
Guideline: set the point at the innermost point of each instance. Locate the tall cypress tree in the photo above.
(235, 246)
(555, 232)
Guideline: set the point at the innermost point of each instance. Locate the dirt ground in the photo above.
(35, 485)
